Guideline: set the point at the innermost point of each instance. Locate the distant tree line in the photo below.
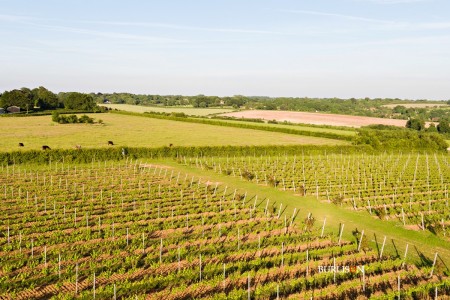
(361, 107)
(40, 98)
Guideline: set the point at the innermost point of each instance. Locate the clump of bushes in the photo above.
(338, 200)
(71, 119)
(248, 175)
(273, 181)
(400, 139)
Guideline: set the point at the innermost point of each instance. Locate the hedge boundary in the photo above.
(116, 153)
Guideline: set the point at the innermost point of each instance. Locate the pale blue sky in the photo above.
(314, 48)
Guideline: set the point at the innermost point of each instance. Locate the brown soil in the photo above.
(315, 118)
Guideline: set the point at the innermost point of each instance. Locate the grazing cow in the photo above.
(21, 145)
(45, 147)
(170, 145)
(110, 143)
(78, 147)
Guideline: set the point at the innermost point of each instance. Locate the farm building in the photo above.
(13, 109)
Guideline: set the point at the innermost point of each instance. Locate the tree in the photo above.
(443, 126)
(55, 116)
(44, 98)
(432, 128)
(22, 98)
(79, 101)
(416, 124)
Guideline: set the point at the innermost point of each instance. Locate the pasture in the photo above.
(131, 131)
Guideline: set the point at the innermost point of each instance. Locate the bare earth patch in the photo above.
(413, 227)
(315, 118)
(154, 166)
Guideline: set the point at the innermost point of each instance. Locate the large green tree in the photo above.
(44, 98)
(79, 101)
(22, 98)
(443, 126)
(416, 124)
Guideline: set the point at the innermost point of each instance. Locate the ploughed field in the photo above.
(412, 189)
(315, 118)
(133, 230)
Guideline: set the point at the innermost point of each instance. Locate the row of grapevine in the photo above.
(110, 230)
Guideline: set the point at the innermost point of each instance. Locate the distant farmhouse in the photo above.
(13, 109)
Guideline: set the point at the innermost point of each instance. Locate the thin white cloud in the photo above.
(184, 27)
(393, 1)
(380, 24)
(114, 35)
(13, 18)
(342, 16)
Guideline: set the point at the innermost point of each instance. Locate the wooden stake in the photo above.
(160, 252)
(360, 240)
(293, 216)
(340, 234)
(248, 288)
(94, 287)
(434, 263)
(200, 267)
(76, 279)
(404, 257)
(323, 227)
(382, 247)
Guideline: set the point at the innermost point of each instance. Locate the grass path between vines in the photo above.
(422, 244)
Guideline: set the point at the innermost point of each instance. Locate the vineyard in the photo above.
(133, 230)
(410, 188)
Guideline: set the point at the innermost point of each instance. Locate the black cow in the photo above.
(45, 147)
(110, 143)
(21, 145)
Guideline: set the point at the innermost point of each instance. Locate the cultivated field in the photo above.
(190, 111)
(134, 230)
(136, 132)
(315, 118)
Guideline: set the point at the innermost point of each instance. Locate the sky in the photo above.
(291, 48)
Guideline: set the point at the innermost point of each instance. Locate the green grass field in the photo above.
(187, 110)
(298, 127)
(136, 132)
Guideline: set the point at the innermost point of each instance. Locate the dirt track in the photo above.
(315, 118)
